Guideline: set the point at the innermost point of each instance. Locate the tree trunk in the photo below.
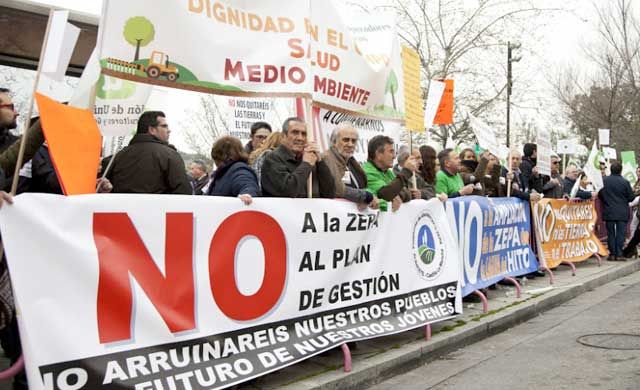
(137, 56)
(393, 100)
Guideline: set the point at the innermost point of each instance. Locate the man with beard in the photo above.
(348, 175)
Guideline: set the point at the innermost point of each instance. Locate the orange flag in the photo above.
(74, 144)
(444, 115)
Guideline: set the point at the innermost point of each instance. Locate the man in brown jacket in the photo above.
(350, 179)
(149, 165)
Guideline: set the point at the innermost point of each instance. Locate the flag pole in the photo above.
(310, 138)
(414, 183)
(16, 174)
(509, 180)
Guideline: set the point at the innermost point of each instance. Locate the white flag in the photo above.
(575, 188)
(59, 46)
(592, 168)
(82, 95)
(434, 96)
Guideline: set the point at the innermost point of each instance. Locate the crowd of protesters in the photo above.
(279, 164)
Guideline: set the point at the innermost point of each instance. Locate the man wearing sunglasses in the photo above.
(8, 119)
(553, 188)
(8, 113)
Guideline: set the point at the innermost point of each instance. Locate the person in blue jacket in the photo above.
(233, 176)
(616, 195)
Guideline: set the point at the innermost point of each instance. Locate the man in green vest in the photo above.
(381, 181)
(448, 180)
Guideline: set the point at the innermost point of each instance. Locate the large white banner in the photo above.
(325, 121)
(287, 48)
(145, 292)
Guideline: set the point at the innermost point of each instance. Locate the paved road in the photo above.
(544, 353)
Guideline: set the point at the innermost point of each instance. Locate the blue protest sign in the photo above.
(493, 236)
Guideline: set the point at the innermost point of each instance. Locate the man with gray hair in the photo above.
(199, 177)
(348, 175)
(286, 170)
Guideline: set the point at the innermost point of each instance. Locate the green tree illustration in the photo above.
(139, 32)
(392, 87)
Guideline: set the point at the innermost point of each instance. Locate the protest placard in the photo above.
(565, 231)
(493, 239)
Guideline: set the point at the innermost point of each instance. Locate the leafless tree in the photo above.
(466, 41)
(204, 125)
(608, 96)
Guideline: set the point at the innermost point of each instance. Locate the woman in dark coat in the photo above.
(233, 176)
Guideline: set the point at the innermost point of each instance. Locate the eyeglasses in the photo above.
(347, 139)
(166, 126)
(555, 162)
(10, 106)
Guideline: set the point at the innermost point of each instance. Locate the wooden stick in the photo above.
(16, 174)
(413, 178)
(510, 171)
(310, 137)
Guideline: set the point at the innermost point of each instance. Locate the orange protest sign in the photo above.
(444, 115)
(565, 231)
(74, 144)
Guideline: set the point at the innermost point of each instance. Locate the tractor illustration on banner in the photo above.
(158, 65)
(139, 32)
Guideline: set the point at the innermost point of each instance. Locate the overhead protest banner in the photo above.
(297, 48)
(543, 143)
(565, 231)
(493, 236)
(142, 291)
(413, 102)
(324, 121)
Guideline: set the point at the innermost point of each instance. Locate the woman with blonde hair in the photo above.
(256, 159)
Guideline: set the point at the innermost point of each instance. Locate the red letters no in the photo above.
(121, 253)
(222, 253)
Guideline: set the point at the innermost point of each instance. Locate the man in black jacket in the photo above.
(286, 170)
(149, 165)
(553, 188)
(531, 179)
(616, 195)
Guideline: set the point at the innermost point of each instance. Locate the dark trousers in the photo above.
(615, 236)
(10, 342)
(635, 240)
